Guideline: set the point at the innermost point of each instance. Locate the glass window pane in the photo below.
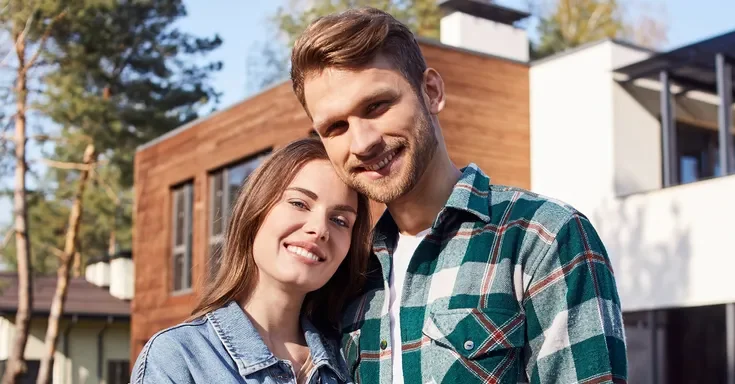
(239, 173)
(180, 212)
(217, 203)
(178, 271)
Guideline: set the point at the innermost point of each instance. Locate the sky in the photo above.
(243, 24)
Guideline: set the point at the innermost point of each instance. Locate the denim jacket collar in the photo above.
(247, 349)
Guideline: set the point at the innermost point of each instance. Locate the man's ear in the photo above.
(434, 91)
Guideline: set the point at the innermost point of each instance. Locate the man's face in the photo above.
(377, 131)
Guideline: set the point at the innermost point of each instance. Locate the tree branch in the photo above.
(6, 239)
(108, 189)
(44, 38)
(68, 165)
(20, 38)
(56, 251)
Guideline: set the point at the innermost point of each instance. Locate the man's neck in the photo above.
(416, 210)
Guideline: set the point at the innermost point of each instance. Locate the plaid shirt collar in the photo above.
(471, 194)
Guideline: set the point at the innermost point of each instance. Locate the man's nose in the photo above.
(366, 138)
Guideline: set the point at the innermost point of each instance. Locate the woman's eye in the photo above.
(341, 222)
(298, 204)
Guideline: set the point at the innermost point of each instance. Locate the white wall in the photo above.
(636, 134)
(672, 247)
(571, 104)
(80, 367)
(122, 278)
(474, 33)
(597, 146)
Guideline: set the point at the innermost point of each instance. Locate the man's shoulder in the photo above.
(510, 205)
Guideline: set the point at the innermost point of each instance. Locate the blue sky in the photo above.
(241, 23)
(244, 23)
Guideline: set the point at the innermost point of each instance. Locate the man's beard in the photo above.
(415, 159)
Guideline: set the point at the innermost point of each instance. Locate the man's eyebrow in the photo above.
(313, 196)
(366, 99)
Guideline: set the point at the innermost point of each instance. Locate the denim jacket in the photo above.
(224, 347)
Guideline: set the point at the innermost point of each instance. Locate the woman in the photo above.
(295, 251)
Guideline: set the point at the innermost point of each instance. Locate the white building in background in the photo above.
(655, 191)
(94, 332)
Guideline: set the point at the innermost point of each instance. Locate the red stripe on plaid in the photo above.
(471, 188)
(489, 275)
(416, 345)
(532, 226)
(504, 365)
(372, 355)
(379, 249)
(604, 378)
(560, 273)
(497, 335)
(589, 257)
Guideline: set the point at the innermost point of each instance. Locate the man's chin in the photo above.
(384, 190)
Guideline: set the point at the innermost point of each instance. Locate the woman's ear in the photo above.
(434, 91)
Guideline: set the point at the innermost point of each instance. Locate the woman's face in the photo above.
(307, 233)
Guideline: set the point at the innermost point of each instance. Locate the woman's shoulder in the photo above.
(161, 355)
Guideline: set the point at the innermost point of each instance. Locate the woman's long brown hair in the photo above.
(238, 273)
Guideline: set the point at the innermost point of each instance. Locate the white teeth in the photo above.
(381, 163)
(302, 252)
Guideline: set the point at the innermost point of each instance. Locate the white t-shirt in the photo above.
(401, 257)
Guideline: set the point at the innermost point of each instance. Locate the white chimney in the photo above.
(480, 25)
(122, 275)
(97, 271)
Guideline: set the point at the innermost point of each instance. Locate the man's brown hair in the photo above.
(350, 40)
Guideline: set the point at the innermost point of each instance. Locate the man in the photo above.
(475, 282)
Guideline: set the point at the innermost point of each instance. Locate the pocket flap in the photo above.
(472, 332)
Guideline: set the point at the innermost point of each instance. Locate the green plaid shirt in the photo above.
(507, 287)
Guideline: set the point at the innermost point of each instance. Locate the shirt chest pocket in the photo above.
(474, 343)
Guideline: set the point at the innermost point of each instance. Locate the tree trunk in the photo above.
(15, 365)
(112, 244)
(57, 306)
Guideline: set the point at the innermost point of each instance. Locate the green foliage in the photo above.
(118, 75)
(422, 16)
(571, 23)
(124, 78)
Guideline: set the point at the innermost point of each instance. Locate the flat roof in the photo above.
(484, 9)
(691, 67)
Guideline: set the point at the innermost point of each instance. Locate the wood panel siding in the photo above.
(486, 121)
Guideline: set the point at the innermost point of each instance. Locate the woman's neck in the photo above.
(276, 314)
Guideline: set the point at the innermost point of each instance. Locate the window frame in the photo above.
(215, 241)
(185, 249)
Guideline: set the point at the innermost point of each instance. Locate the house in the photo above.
(642, 142)
(639, 141)
(186, 180)
(94, 332)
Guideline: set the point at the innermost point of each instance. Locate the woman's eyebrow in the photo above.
(313, 196)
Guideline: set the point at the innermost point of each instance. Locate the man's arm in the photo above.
(574, 319)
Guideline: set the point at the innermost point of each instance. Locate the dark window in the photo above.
(181, 252)
(31, 374)
(118, 371)
(698, 148)
(225, 186)
(688, 345)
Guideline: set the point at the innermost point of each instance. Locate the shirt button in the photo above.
(469, 344)
(383, 344)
